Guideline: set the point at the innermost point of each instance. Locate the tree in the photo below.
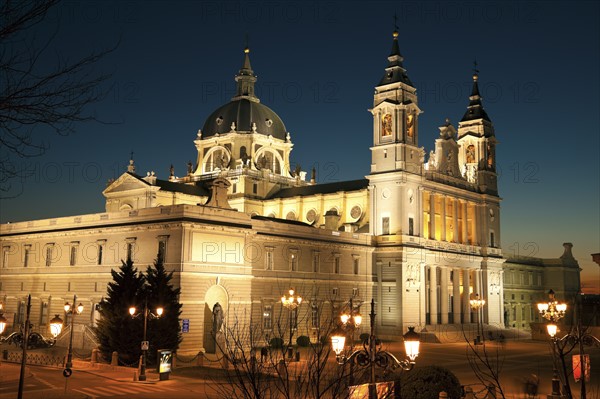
(36, 91)
(163, 333)
(116, 330)
(259, 370)
(428, 382)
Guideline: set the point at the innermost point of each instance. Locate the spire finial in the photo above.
(247, 47)
(395, 33)
(131, 156)
(475, 71)
(131, 166)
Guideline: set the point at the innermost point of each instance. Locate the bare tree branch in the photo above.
(34, 95)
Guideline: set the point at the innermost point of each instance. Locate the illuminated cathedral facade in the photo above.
(420, 234)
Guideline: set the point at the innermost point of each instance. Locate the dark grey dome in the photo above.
(244, 112)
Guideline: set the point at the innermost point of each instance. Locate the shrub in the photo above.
(428, 382)
(303, 340)
(276, 342)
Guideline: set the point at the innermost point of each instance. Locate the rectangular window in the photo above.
(73, 254)
(162, 246)
(492, 239)
(530, 278)
(411, 227)
(539, 279)
(267, 317)
(335, 292)
(354, 292)
(26, 255)
(234, 188)
(294, 262)
(254, 188)
(44, 314)
(356, 266)
(49, 249)
(336, 264)
(314, 316)
(385, 225)
(269, 260)
(100, 254)
(315, 262)
(5, 252)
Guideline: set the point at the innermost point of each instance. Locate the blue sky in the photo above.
(317, 64)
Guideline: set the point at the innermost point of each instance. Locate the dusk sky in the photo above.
(317, 64)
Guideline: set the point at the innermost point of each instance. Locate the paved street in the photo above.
(519, 360)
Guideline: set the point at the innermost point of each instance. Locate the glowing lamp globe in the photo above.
(338, 341)
(411, 343)
(132, 310)
(552, 329)
(2, 323)
(56, 325)
(159, 311)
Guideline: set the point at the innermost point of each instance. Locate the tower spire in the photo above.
(475, 108)
(395, 71)
(245, 78)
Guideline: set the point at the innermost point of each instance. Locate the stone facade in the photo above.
(420, 237)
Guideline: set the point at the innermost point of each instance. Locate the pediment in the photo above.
(387, 104)
(125, 182)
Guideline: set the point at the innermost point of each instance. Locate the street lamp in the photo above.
(73, 312)
(145, 344)
(373, 355)
(477, 305)
(291, 302)
(553, 311)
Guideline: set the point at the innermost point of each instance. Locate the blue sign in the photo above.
(185, 326)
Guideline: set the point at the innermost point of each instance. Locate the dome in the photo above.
(244, 112)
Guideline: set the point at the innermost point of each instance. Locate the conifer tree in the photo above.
(116, 330)
(164, 332)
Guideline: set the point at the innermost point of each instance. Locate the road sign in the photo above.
(185, 326)
(67, 372)
(145, 345)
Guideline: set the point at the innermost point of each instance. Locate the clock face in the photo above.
(355, 212)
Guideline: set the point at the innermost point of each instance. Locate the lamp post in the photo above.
(70, 310)
(145, 344)
(477, 305)
(372, 354)
(291, 302)
(553, 311)
(351, 320)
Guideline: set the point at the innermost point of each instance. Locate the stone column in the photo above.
(477, 290)
(433, 300)
(443, 217)
(465, 237)
(465, 296)
(455, 203)
(432, 215)
(444, 294)
(456, 295)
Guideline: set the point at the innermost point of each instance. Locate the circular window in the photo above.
(356, 212)
(269, 122)
(219, 120)
(311, 216)
(291, 215)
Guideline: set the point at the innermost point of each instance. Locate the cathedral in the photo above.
(420, 234)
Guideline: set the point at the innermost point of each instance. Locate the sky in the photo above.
(317, 65)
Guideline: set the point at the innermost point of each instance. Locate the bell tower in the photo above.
(396, 159)
(395, 119)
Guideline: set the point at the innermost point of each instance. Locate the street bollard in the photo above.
(200, 359)
(114, 361)
(95, 355)
(173, 361)
(135, 378)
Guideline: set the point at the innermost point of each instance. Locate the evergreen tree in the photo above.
(116, 330)
(164, 332)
